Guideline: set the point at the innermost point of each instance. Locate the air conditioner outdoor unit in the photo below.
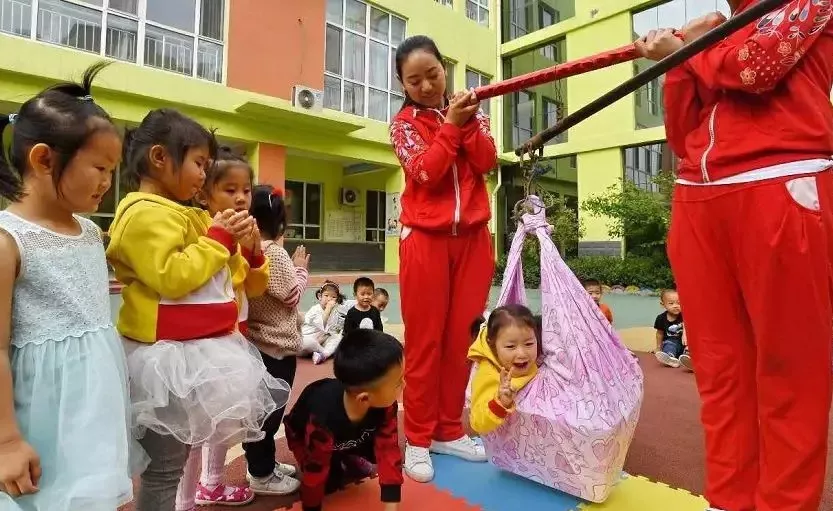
(349, 196)
(307, 98)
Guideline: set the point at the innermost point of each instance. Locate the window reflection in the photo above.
(521, 17)
(674, 14)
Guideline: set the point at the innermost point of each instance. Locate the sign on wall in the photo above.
(345, 225)
(392, 211)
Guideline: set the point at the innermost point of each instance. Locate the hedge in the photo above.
(643, 272)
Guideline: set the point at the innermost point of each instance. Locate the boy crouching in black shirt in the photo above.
(340, 427)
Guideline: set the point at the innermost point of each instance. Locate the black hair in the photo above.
(474, 329)
(269, 211)
(64, 117)
(168, 128)
(512, 314)
(226, 159)
(364, 356)
(664, 292)
(406, 48)
(380, 291)
(590, 283)
(363, 282)
(331, 286)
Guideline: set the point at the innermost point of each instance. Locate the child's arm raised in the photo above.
(287, 277)
(389, 457)
(487, 411)
(153, 245)
(257, 265)
(20, 468)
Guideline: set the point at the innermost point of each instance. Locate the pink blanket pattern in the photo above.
(575, 421)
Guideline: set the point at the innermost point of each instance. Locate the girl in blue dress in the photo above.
(64, 407)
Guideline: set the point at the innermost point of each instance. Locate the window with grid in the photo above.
(643, 163)
(360, 66)
(478, 10)
(474, 80)
(449, 77)
(521, 17)
(185, 36)
(304, 205)
(447, 3)
(674, 14)
(375, 216)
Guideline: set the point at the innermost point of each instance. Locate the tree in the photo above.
(639, 216)
(567, 230)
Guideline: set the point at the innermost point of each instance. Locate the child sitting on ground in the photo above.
(321, 329)
(594, 289)
(671, 348)
(505, 352)
(341, 427)
(381, 298)
(363, 314)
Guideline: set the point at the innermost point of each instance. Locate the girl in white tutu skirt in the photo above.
(193, 376)
(64, 406)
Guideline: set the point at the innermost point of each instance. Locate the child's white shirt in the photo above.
(314, 322)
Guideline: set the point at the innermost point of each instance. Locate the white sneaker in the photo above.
(286, 469)
(464, 447)
(685, 361)
(666, 359)
(418, 464)
(277, 483)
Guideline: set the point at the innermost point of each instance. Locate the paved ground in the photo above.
(668, 446)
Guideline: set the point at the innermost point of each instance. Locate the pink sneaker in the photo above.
(223, 495)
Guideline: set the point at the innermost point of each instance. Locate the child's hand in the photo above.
(252, 241)
(330, 304)
(240, 225)
(300, 258)
(505, 394)
(20, 469)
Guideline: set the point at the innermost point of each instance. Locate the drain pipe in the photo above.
(494, 210)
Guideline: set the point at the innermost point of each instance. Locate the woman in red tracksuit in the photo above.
(750, 246)
(445, 251)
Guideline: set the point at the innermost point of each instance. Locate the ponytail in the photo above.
(10, 186)
(269, 211)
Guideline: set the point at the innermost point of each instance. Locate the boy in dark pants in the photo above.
(341, 427)
(671, 349)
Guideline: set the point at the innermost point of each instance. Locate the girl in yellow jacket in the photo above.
(505, 352)
(193, 377)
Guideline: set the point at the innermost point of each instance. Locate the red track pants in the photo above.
(753, 266)
(444, 283)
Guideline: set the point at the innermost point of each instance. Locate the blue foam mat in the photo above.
(484, 485)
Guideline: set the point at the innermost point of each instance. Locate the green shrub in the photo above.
(644, 272)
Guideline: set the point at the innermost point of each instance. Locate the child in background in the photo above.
(363, 314)
(594, 289)
(381, 298)
(64, 409)
(321, 331)
(228, 185)
(505, 353)
(275, 329)
(671, 349)
(340, 427)
(193, 377)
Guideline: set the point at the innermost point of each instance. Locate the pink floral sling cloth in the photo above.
(575, 420)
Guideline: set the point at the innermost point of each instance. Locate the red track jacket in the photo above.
(445, 188)
(759, 98)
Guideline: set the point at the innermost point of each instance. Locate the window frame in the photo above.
(482, 79)
(142, 22)
(479, 6)
(393, 91)
(304, 225)
(378, 232)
